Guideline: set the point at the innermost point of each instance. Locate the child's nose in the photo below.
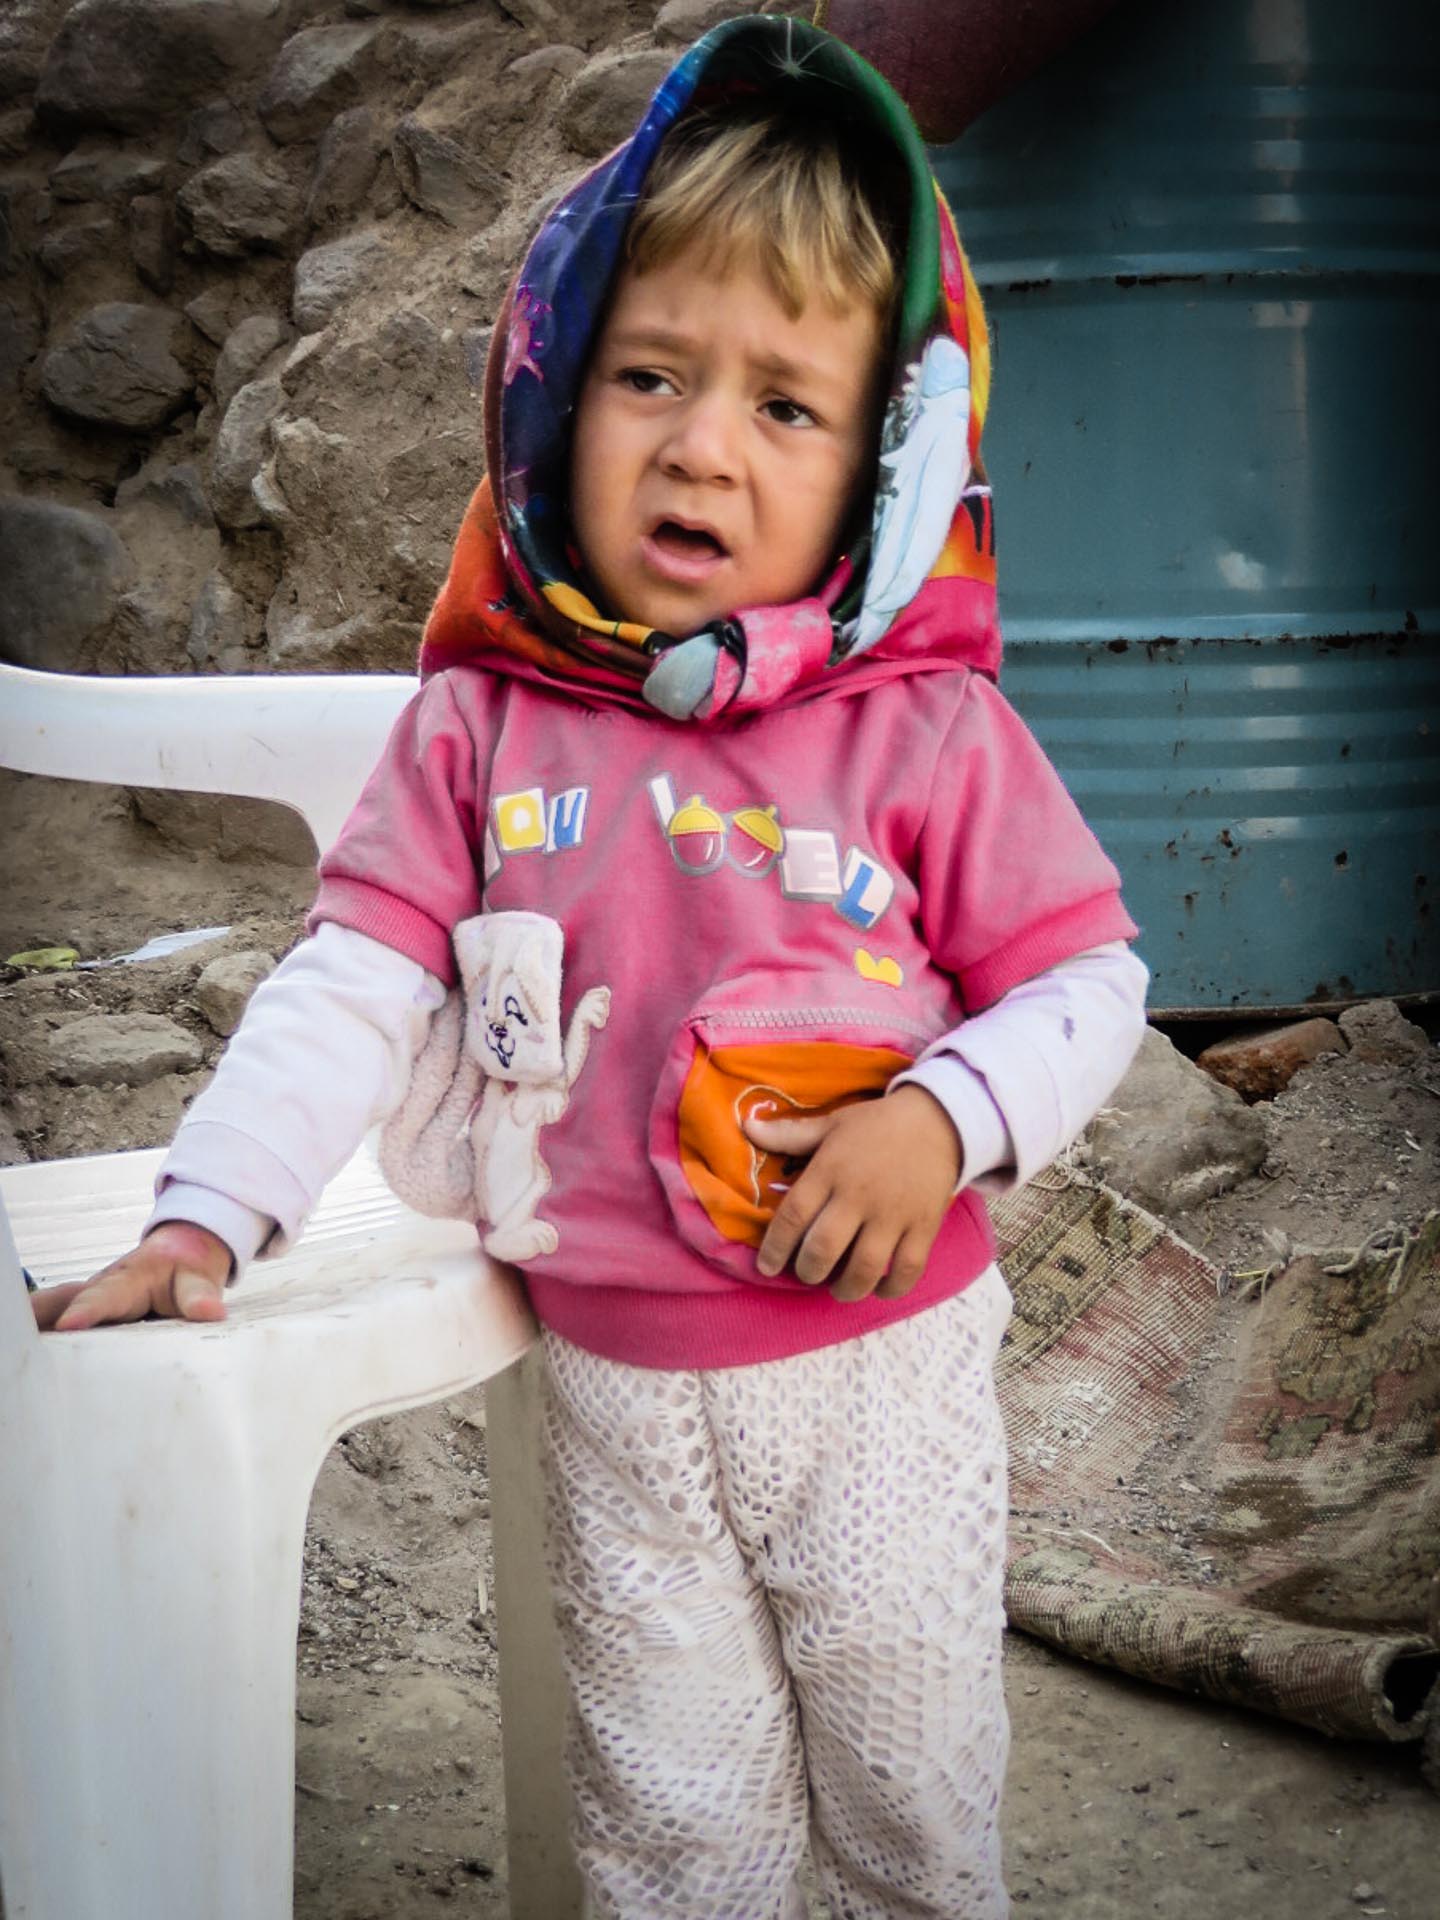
(703, 442)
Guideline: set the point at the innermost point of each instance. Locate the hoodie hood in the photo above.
(916, 591)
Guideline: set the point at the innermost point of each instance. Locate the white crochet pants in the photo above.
(779, 1596)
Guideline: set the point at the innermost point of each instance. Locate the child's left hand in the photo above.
(880, 1178)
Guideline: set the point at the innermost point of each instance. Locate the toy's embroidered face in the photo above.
(509, 1026)
(510, 964)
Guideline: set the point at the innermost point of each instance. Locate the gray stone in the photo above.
(327, 275)
(64, 570)
(238, 205)
(1378, 1031)
(1171, 1136)
(16, 131)
(220, 631)
(217, 127)
(117, 367)
(306, 356)
(346, 165)
(681, 21)
(125, 64)
(319, 72)
(12, 1152)
(94, 172)
(606, 98)
(538, 15)
(305, 477)
(437, 175)
(545, 63)
(152, 239)
(247, 347)
(239, 452)
(19, 339)
(297, 640)
(81, 244)
(22, 220)
(226, 985)
(210, 312)
(25, 31)
(173, 488)
(121, 1049)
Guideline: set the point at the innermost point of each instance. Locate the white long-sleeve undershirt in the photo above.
(327, 1043)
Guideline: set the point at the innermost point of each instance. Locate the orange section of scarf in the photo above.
(478, 609)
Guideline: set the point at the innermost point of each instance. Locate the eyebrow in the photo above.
(662, 340)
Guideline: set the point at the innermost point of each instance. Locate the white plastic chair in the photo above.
(154, 1479)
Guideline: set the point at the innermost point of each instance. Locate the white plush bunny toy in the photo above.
(465, 1141)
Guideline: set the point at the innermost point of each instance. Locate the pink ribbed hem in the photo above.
(386, 918)
(1092, 923)
(740, 1325)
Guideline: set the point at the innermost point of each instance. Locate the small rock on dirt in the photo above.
(125, 64)
(438, 176)
(327, 275)
(1258, 1065)
(117, 367)
(225, 986)
(238, 205)
(1171, 1136)
(239, 451)
(350, 153)
(247, 347)
(606, 98)
(318, 73)
(681, 21)
(64, 570)
(93, 172)
(121, 1049)
(1377, 1030)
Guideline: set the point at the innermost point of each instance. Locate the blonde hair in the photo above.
(779, 196)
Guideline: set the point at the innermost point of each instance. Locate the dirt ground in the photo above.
(1121, 1799)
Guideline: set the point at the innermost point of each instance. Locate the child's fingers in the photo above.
(197, 1296)
(791, 1223)
(865, 1270)
(907, 1263)
(49, 1303)
(118, 1294)
(797, 1137)
(826, 1242)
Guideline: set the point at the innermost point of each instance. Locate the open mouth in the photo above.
(687, 543)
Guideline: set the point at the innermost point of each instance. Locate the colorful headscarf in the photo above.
(916, 593)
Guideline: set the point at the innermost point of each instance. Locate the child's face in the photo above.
(718, 444)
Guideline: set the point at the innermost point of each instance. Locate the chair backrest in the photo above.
(307, 740)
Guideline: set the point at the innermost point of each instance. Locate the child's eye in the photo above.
(789, 413)
(644, 380)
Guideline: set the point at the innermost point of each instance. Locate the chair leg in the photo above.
(544, 1883)
(153, 1733)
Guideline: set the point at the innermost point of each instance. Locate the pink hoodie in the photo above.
(855, 871)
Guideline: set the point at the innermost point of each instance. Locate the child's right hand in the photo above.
(178, 1271)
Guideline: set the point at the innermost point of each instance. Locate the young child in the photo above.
(711, 686)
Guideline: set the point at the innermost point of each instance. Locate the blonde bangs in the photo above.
(757, 194)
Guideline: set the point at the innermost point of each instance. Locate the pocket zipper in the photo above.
(815, 1016)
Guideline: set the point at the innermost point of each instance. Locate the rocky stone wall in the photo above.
(250, 254)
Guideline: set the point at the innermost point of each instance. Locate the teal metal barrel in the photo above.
(1209, 239)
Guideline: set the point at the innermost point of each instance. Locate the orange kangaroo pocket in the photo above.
(737, 1184)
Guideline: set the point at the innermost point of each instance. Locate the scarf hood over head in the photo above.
(915, 593)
